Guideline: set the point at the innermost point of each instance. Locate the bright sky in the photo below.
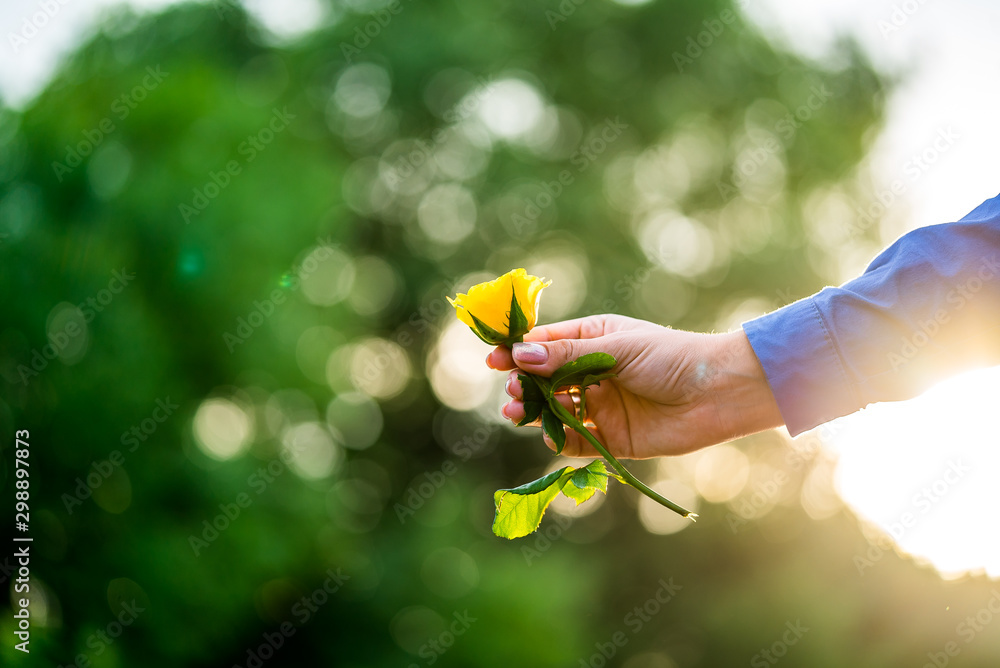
(42, 37)
(950, 51)
(924, 470)
(889, 454)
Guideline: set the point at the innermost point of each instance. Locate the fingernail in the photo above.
(488, 362)
(506, 387)
(530, 352)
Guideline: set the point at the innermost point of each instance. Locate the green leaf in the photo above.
(529, 388)
(517, 321)
(533, 397)
(592, 476)
(487, 333)
(575, 372)
(519, 510)
(584, 482)
(595, 379)
(535, 388)
(532, 409)
(553, 426)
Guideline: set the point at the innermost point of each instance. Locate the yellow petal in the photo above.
(462, 314)
(529, 293)
(490, 301)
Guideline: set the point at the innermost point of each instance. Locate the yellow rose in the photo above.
(503, 310)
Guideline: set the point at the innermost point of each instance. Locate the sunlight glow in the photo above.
(925, 471)
(722, 473)
(657, 519)
(455, 368)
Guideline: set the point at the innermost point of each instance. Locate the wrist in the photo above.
(743, 397)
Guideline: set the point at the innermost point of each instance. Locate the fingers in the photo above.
(514, 410)
(588, 327)
(513, 386)
(577, 328)
(576, 445)
(500, 359)
(542, 358)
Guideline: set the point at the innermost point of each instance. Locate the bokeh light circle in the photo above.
(456, 370)
(222, 428)
(356, 418)
(721, 473)
(379, 368)
(310, 451)
(663, 521)
(326, 274)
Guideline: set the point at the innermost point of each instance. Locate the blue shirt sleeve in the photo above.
(926, 308)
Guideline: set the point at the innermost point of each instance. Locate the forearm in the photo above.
(739, 390)
(928, 307)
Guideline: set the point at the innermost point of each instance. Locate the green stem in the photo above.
(579, 427)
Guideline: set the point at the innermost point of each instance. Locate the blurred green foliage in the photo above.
(315, 178)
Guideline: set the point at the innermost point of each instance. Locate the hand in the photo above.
(675, 391)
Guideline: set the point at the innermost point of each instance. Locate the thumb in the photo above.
(544, 357)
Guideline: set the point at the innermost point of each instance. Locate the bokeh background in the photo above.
(235, 228)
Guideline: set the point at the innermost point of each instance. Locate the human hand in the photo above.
(675, 392)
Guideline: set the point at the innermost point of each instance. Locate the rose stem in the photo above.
(579, 427)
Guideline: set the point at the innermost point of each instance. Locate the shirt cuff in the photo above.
(802, 365)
